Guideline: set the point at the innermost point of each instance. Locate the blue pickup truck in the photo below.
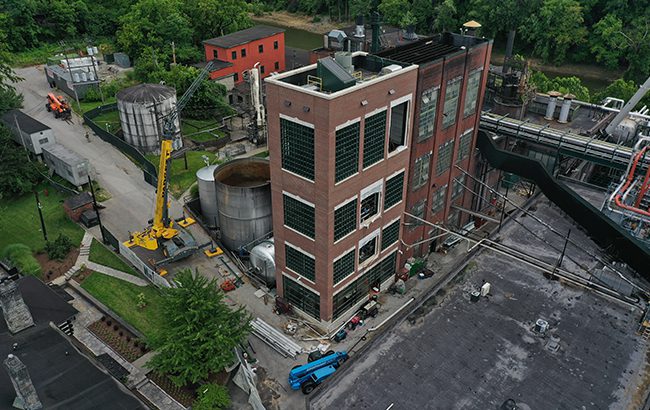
(307, 376)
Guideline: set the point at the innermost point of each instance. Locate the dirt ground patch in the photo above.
(268, 389)
(299, 21)
(52, 269)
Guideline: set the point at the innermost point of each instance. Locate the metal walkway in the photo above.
(568, 143)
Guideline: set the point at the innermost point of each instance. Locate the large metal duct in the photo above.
(262, 258)
(243, 201)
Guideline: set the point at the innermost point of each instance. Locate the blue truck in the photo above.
(307, 376)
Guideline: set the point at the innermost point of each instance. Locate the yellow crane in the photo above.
(176, 242)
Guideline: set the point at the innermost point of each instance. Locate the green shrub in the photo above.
(211, 397)
(59, 248)
(21, 257)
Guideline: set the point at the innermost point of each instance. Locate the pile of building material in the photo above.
(271, 336)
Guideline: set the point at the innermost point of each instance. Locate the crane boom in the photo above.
(628, 107)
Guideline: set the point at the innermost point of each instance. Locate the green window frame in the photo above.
(360, 288)
(299, 216)
(347, 152)
(418, 210)
(444, 157)
(471, 96)
(450, 108)
(421, 171)
(390, 234)
(344, 266)
(297, 148)
(438, 199)
(464, 145)
(300, 262)
(457, 186)
(345, 219)
(428, 106)
(301, 297)
(374, 138)
(394, 190)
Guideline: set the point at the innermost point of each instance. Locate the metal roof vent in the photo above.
(541, 326)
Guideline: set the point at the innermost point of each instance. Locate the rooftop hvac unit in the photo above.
(541, 326)
(390, 69)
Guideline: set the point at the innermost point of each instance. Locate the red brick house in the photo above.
(240, 51)
(77, 205)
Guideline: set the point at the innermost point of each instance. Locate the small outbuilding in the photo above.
(76, 205)
(27, 131)
(67, 164)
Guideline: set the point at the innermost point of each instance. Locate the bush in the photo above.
(21, 257)
(59, 248)
(211, 397)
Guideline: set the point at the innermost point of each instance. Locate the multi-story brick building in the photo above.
(240, 51)
(452, 73)
(339, 143)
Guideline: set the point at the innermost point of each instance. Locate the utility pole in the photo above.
(566, 241)
(22, 138)
(74, 87)
(92, 192)
(92, 61)
(40, 214)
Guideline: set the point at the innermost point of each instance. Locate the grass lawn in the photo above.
(122, 298)
(109, 120)
(181, 179)
(85, 106)
(190, 128)
(19, 221)
(102, 255)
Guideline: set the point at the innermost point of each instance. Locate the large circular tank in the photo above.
(243, 201)
(142, 109)
(262, 257)
(208, 195)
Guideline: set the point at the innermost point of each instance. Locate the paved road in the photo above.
(131, 204)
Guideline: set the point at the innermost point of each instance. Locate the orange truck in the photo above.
(58, 105)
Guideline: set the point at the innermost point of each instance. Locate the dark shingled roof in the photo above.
(78, 201)
(63, 377)
(27, 124)
(243, 36)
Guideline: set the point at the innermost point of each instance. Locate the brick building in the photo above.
(240, 51)
(339, 139)
(452, 73)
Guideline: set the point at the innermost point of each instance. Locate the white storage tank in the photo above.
(262, 258)
(142, 109)
(208, 195)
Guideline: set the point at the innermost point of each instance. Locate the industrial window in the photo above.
(277, 65)
(345, 219)
(360, 288)
(428, 106)
(438, 199)
(368, 247)
(374, 139)
(215, 54)
(398, 119)
(394, 189)
(444, 157)
(299, 262)
(454, 219)
(301, 297)
(457, 186)
(260, 48)
(42, 141)
(347, 152)
(236, 77)
(417, 210)
(243, 52)
(389, 235)
(371, 200)
(262, 69)
(471, 96)
(464, 144)
(421, 171)
(451, 102)
(297, 142)
(299, 216)
(234, 55)
(275, 45)
(343, 266)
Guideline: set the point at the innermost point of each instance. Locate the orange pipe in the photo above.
(630, 177)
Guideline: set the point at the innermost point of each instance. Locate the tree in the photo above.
(555, 28)
(199, 332)
(213, 18)
(624, 90)
(445, 16)
(393, 10)
(17, 175)
(155, 24)
(211, 397)
(564, 85)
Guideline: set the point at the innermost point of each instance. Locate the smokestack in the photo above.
(360, 30)
(375, 26)
(410, 33)
(552, 103)
(509, 46)
(26, 396)
(566, 107)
